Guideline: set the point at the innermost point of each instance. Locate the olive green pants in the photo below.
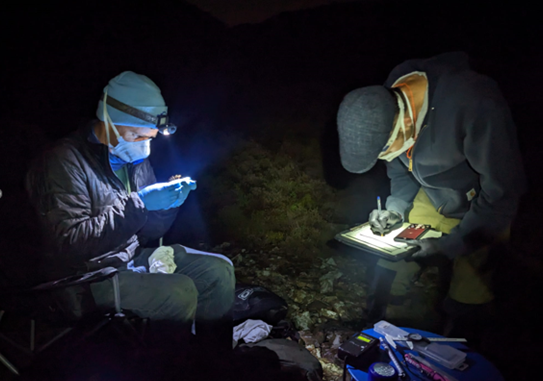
(468, 285)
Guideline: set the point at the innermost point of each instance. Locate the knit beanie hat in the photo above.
(137, 91)
(364, 122)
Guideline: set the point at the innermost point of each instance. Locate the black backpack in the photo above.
(258, 303)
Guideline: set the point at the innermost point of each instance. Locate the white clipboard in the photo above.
(361, 237)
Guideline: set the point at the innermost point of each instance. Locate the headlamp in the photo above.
(161, 121)
(164, 126)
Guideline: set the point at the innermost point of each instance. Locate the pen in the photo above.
(379, 207)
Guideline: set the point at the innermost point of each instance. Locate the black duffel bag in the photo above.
(258, 303)
(295, 362)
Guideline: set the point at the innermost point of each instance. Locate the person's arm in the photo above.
(159, 221)
(60, 190)
(490, 147)
(403, 187)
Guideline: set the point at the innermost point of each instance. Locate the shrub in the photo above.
(261, 200)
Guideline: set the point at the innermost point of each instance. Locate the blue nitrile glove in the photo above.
(429, 252)
(187, 184)
(138, 269)
(384, 221)
(159, 196)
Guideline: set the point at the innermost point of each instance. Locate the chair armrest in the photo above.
(76, 280)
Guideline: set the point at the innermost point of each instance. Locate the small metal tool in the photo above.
(393, 358)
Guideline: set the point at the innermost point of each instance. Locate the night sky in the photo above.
(240, 69)
(235, 12)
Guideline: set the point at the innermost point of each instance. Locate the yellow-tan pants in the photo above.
(468, 285)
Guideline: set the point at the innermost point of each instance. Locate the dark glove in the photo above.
(429, 252)
(384, 221)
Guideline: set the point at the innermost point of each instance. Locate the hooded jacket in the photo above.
(89, 219)
(466, 157)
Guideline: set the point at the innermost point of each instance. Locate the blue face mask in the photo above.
(131, 152)
(117, 163)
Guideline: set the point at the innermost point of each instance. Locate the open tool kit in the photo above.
(410, 355)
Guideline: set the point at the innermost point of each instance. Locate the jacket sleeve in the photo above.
(60, 190)
(403, 187)
(491, 149)
(158, 222)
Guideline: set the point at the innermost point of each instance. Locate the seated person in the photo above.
(99, 203)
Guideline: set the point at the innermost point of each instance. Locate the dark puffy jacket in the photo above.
(89, 219)
(468, 141)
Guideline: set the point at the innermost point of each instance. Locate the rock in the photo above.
(328, 352)
(238, 259)
(318, 336)
(303, 321)
(330, 299)
(357, 289)
(308, 338)
(328, 263)
(327, 281)
(265, 273)
(337, 341)
(329, 314)
(331, 371)
(299, 296)
(301, 284)
(316, 305)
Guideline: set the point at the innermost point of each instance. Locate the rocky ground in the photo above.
(326, 295)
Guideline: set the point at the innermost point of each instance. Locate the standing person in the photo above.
(99, 204)
(453, 161)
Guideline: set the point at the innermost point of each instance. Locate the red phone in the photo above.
(412, 233)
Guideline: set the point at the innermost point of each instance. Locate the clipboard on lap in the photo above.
(361, 237)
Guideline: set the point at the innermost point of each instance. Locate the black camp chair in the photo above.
(46, 303)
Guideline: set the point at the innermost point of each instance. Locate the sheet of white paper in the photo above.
(385, 244)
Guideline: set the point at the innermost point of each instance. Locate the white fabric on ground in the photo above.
(252, 331)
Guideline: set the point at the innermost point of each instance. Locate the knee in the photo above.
(182, 288)
(222, 275)
(183, 296)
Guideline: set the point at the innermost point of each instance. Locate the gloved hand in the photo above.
(384, 221)
(160, 196)
(429, 252)
(187, 184)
